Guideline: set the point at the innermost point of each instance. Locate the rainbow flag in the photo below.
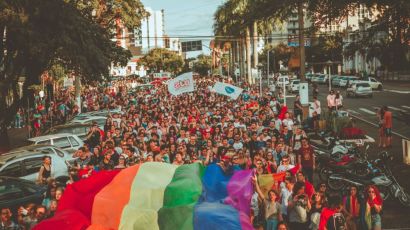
(156, 196)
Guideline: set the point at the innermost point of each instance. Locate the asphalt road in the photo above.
(363, 111)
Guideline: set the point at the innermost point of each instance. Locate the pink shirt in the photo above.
(331, 100)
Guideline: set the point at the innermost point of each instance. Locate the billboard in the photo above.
(191, 46)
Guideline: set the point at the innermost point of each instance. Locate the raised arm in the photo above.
(257, 188)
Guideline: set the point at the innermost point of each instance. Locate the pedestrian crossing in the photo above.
(373, 110)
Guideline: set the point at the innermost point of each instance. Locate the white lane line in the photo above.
(405, 106)
(352, 111)
(394, 108)
(397, 91)
(367, 111)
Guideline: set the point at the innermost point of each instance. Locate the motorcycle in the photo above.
(383, 179)
(351, 164)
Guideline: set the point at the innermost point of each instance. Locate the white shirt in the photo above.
(289, 123)
(284, 168)
(285, 197)
(316, 107)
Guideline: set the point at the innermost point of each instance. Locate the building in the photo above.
(356, 24)
(141, 40)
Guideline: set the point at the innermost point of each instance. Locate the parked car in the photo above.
(347, 80)
(336, 80)
(359, 89)
(309, 76)
(66, 141)
(26, 165)
(100, 120)
(100, 113)
(80, 130)
(51, 149)
(322, 79)
(293, 87)
(282, 80)
(15, 192)
(375, 84)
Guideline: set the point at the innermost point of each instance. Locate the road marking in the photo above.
(397, 91)
(352, 111)
(405, 106)
(394, 108)
(367, 111)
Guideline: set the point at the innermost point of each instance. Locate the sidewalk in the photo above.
(18, 137)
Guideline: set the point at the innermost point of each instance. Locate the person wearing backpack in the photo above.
(331, 217)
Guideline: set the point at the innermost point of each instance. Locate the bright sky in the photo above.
(187, 18)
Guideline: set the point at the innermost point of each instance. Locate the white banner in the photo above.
(182, 84)
(227, 90)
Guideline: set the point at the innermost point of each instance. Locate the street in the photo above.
(363, 112)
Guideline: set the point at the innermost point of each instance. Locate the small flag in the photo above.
(228, 90)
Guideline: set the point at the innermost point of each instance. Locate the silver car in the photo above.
(359, 89)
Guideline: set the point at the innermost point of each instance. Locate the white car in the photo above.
(65, 141)
(293, 87)
(100, 120)
(344, 81)
(26, 164)
(100, 113)
(375, 84)
(359, 89)
(282, 80)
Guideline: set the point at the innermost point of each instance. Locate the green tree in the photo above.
(35, 34)
(162, 59)
(203, 64)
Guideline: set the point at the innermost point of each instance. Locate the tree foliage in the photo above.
(162, 59)
(37, 34)
(391, 18)
(203, 64)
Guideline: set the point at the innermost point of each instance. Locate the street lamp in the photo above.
(260, 66)
(329, 64)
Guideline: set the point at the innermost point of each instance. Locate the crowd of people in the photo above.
(252, 132)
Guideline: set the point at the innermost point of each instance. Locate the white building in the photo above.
(140, 41)
(152, 32)
(355, 25)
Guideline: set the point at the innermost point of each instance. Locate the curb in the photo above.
(375, 125)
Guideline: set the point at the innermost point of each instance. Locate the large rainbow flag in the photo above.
(156, 196)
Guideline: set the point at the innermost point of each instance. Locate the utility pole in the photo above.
(301, 41)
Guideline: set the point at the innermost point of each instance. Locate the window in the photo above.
(10, 190)
(62, 142)
(73, 141)
(32, 165)
(13, 169)
(46, 142)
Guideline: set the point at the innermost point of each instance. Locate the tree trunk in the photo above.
(248, 56)
(301, 41)
(255, 45)
(241, 54)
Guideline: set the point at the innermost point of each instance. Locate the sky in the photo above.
(187, 18)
